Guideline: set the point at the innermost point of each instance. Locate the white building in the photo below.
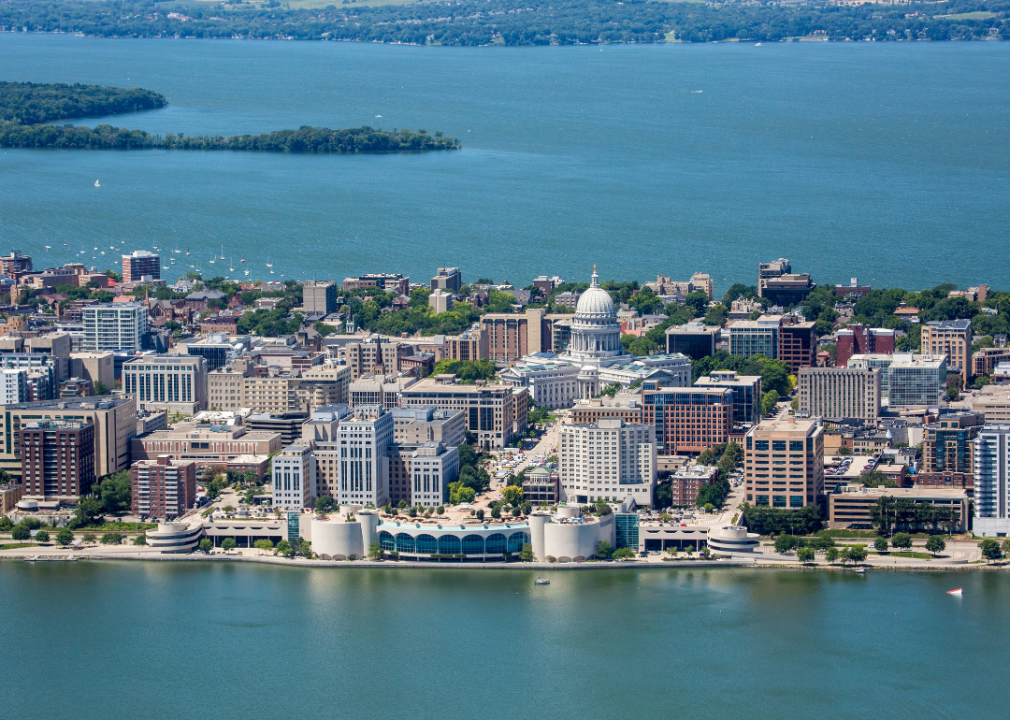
(294, 477)
(551, 383)
(114, 326)
(13, 386)
(433, 467)
(608, 460)
(364, 439)
(177, 383)
(992, 481)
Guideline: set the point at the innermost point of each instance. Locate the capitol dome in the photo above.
(595, 302)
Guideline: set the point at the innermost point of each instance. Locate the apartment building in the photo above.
(507, 336)
(755, 337)
(688, 420)
(449, 279)
(271, 394)
(985, 360)
(840, 393)
(694, 339)
(162, 488)
(374, 357)
(294, 478)
(878, 361)
(319, 297)
(140, 264)
(993, 403)
(948, 451)
(323, 385)
(952, 338)
(746, 391)
(14, 386)
(388, 282)
(784, 463)
(114, 420)
(57, 459)
(468, 345)
(856, 339)
(177, 383)
(607, 460)
(992, 481)
(364, 439)
(686, 483)
(778, 283)
(114, 326)
(494, 413)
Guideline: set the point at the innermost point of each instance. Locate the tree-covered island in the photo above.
(28, 103)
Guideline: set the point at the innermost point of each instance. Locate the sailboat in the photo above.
(954, 592)
(222, 253)
(231, 269)
(97, 184)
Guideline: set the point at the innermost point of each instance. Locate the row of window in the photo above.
(496, 544)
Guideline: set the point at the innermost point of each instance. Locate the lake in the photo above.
(223, 641)
(885, 161)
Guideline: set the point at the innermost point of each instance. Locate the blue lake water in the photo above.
(885, 161)
(187, 640)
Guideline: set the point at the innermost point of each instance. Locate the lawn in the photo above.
(17, 546)
(977, 15)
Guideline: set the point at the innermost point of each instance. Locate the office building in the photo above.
(778, 283)
(114, 420)
(220, 350)
(494, 413)
(232, 447)
(14, 386)
(993, 403)
(56, 345)
(224, 389)
(859, 340)
(985, 360)
(875, 361)
(746, 391)
(541, 487)
(551, 383)
(114, 326)
(364, 438)
(784, 463)
(917, 381)
(797, 344)
(608, 460)
(323, 385)
(319, 297)
(98, 368)
(41, 372)
(271, 394)
(440, 301)
(373, 356)
(948, 451)
(57, 459)
(755, 337)
(851, 507)
(992, 481)
(952, 338)
(695, 339)
(624, 405)
(321, 427)
(449, 279)
(433, 467)
(468, 345)
(141, 264)
(689, 420)
(177, 383)
(294, 478)
(840, 393)
(381, 390)
(388, 282)
(288, 425)
(162, 488)
(419, 424)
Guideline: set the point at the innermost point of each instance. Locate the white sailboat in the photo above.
(97, 184)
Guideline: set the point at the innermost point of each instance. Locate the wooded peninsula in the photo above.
(26, 107)
(514, 22)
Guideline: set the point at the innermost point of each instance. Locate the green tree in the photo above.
(20, 532)
(624, 553)
(88, 512)
(990, 549)
(902, 541)
(284, 548)
(5, 524)
(64, 537)
(858, 553)
(512, 495)
(805, 554)
(604, 549)
(90, 539)
(323, 504)
(374, 550)
(114, 492)
(935, 545)
(768, 401)
(112, 539)
(880, 544)
(42, 536)
(206, 545)
(228, 544)
(784, 543)
(140, 539)
(263, 544)
(480, 515)
(526, 554)
(831, 554)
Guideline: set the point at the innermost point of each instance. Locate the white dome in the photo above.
(595, 302)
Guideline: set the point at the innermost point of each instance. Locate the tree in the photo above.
(990, 549)
(624, 553)
(768, 401)
(480, 515)
(902, 540)
(5, 524)
(284, 548)
(42, 536)
(604, 549)
(374, 550)
(512, 495)
(831, 554)
(526, 554)
(114, 492)
(64, 537)
(228, 544)
(113, 539)
(228, 509)
(305, 549)
(858, 553)
(689, 550)
(805, 554)
(206, 545)
(323, 504)
(100, 388)
(263, 544)
(784, 543)
(935, 544)
(1005, 545)
(21, 532)
(89, 509)
(90, 539)
(880, 544)
(496, 511)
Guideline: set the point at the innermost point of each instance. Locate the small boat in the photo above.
(97, 184)
(242, 260)
(757, 44)
(954, 592)
(541, 581)
(861, 571)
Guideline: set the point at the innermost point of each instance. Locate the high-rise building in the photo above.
(440, 301)
(419, 424)
(449, 279)
(746, 393)
(840, 393)
(784, 463)
(13, 386)
(162, 488)
(433, 467)
(15, 263)
(755, 337)
(114, 326)
(797, 344)
(468, 345)
(177, 383)
(695, 339)
(688, 420)
(364, 439)
(992, 481)
(608, 460)
(778, 283)
(140, 264)
(917, 381)
(494, 413)
(57, 459)
(294, 477)
(374, 356)
(877, 361)
(858, 340)
(319, 297)
(951, 338)
(948, 451)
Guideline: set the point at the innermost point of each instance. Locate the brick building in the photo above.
(859, 340)
(57, 459)
(688, 420)
(162, 488)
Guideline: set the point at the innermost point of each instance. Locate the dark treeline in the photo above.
(31, 103)
(514, 22)
(303, 140)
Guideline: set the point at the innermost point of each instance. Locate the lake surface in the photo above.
(886, 161)
(186, 640)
